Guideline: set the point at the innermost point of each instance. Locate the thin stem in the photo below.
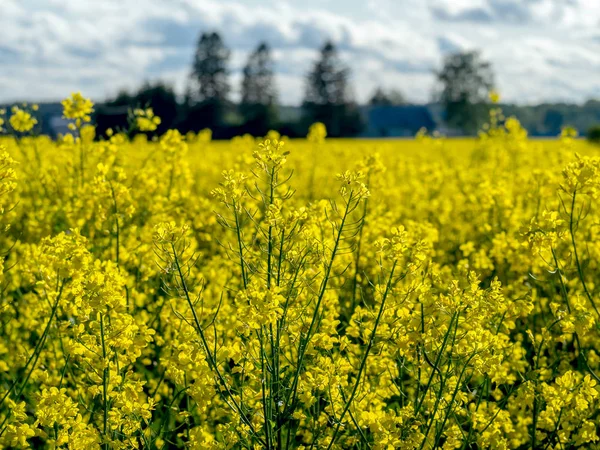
(105, 375)
(240, 247)
(118, 229)
(579, 269)
(36, 352)
(358, 248)
(211, 359)
(365, 356)
(435, 365)
(304, 342)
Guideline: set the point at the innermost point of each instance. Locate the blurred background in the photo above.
(367, 68)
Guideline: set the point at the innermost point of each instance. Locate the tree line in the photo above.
(464, 81)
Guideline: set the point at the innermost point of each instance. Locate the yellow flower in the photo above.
(22, 121)
(317, 132)
(270, 154)
(146, 120)
(78, 107)
(494, 97)
(449, 290)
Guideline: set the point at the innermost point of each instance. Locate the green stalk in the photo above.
(304, 342)
(443, 380)
(240, 248)
(266, 414)
(36, 352)
(116, 214)
(210, 358)
(579, 269)
(365, 356)
(270, 233)
(105, 375)
(449, 410)
(358, 247)
(437, 361)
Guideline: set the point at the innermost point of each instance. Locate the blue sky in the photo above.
(541, 50)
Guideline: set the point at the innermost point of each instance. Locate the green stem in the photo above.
(579, 269)
(436, 364)
(105, 375)
(36, 352)
(304, 342)
(210, 358)
(358, 248)
(365, 356)
(240, 248)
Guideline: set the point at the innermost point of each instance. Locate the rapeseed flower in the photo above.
(21, 120)
(183, 292)
(78, 108)
(146, 120)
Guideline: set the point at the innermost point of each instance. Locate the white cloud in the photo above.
(539, 49)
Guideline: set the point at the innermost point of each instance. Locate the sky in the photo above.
(540, 50)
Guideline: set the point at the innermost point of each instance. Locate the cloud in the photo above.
(465, 15)
(539, 49)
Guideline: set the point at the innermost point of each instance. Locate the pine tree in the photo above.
(207, 100)
(210, 68)
(258, 86)
(327, 97)
(466, 80)
(328, 81)
(259, 93)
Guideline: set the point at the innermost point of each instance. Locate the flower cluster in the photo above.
(176, 292)
(78, 108)
(21, 120)
(145, 119)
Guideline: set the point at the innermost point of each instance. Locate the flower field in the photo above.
(178, 292)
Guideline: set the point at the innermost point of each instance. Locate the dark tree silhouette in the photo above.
(259, 94)
(328, 81)
(210, 68)
(206, 99)
(327, 97)
(466, 80)
(163, 101)
(389, 98)
(159, 96)
(553, 122)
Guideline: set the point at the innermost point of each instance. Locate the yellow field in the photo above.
(414, 294)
